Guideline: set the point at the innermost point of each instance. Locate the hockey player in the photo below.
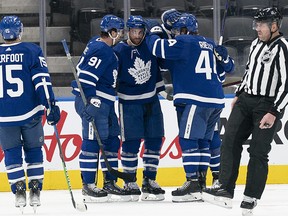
(257, 108)
(22, 101)
(139, 81)
(97, 71)
(198, 95)
(168, 18)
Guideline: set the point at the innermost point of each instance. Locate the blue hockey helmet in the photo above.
(11, 27)
(136, 22)
(111, 22)
(187, 21)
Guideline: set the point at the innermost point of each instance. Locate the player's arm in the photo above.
(165, 48)
(38, 72)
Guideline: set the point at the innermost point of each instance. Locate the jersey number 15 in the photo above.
(12, 80)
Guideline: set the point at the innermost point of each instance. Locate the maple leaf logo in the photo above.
(141, 71)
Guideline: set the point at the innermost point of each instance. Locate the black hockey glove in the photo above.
(53, 114)
(91, 109)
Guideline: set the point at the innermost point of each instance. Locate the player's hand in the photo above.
(168, 93)
(53, 114)
(156, 30)
(169, 17)
(221, 53)
(91, 109)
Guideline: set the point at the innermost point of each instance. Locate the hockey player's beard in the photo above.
(136, 41)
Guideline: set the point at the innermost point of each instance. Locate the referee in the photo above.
(256, 110)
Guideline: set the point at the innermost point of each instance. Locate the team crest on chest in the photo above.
(141, 71)
(267, 56)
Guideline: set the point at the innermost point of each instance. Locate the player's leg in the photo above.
(190, 130)
(129, 160)
(132, 131)
(33, 139)
(11, 144)
(88, 160)
(204, 161)
(154, 131)
(215, 146)
(111, 146)
(213, 116)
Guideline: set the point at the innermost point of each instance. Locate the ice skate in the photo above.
(20, 195)
(115, 193)
(217, 196)
(189, 192)
(151, 191)
(92, 194)
(247, 205)
(34, 195)
(134, 190)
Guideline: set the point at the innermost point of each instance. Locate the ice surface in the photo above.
(274, 202)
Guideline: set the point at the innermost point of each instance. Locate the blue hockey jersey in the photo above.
(191, 60)
(22, 96)
(139, 76)
(97, 71)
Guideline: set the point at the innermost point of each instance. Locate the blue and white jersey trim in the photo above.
(199, 98)
(135, 97)
(106, 96)
(27, 115)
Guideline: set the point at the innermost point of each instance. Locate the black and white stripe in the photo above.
(266, 71)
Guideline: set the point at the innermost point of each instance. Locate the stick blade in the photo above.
(82, 207)
(124, 176)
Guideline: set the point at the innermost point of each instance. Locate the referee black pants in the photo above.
(244, 121)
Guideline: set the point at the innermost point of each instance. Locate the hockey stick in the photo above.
(231, 83)
(223, 22)
(79, 206)
(124, 176)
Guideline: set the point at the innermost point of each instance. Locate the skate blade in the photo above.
(194, 197)
(34, 208)
(247, 212)
(21, 207)
(90, 199)
(152, 197)
(220, 201)
(135, 198)
(119, 198)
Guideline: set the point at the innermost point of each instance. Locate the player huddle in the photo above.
(128, 66)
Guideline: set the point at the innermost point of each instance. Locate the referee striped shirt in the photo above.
(266, 72)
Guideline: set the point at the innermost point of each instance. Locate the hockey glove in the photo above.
(53, 114)
(221, 53)
(91, 109)
(169, 17)
(156, 30)
(150, 23)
